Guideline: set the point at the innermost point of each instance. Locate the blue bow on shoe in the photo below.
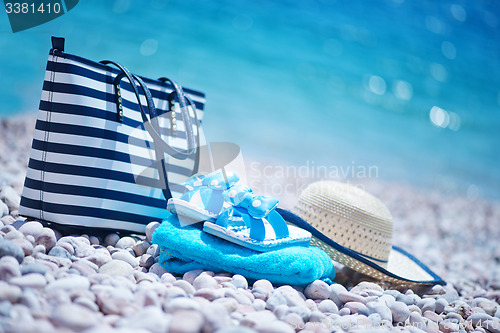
(205, 191)
(253, 209)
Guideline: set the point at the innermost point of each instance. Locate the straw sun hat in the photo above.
(355, 229)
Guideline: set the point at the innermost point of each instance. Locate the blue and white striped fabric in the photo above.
(87, 169)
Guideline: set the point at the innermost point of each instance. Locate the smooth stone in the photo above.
(387, 299)
(150, 229)
(464, 309)
(239, 281)
(82, 249)
(73, 316)
(317, 317)
(125, 242)
(354, 307)
(414, 308)
(351, 297)
(100, 257)
(228, 303)
(335, 290)
(380, 308)
(488, 306)
(32, 228)
(448, 327)
(427, 304)
(407, 299)
(174, 292)
(153, 250)
(9, 268)
(312, 305)
(280, 311)
(84, 268)
(47, 238)
(31, 280)
(116, 267)
(259, 305)
(4, 209)
(9, 220)
(328, 306)
(275, 300)
(205, 281)
(146, 260)
(58, 251)
(273, 327)
(33, 267)
(157, 269)
(149, 318)
(433, 316)
(365, 286)
(255, 318)
(10, 197)
(346, 323)
(260, 293)
(186, 322)
(38, 249)
(417, 321)
(140, 248)
(115, 300)
(30, 299)
(26, 245)
(317, 290)
(9, 248)
(111, 239)
(191, 275)
(125, 256)
(262, 289)
(94, 240)
(70, 283)
(142, 276)
(294, 320)
(9, 292)
(236, 329)
(441, 303)
(399, 312)
(344, 312)
(207, 293)
(238, 296)
(477, 318)
(181, 303)
(186, 286)
(292, 296)
(450, 295)
(14, 234)
(87, 303)
(304, 312)
(5, 308)
(167, 278)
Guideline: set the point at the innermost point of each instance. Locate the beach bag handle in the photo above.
(150, 121)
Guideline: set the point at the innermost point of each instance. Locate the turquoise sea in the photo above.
(410, 88)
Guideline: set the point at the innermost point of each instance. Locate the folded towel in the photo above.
(189, 248)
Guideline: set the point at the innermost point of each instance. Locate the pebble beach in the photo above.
(82, 283)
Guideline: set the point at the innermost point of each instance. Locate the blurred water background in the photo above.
(411, 88)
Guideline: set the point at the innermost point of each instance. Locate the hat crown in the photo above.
(350, 216)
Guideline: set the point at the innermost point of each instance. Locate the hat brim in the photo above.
(401, 267)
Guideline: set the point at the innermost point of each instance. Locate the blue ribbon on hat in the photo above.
(209, 188)
(253, 209)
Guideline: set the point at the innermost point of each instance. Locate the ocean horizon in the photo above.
(409, 89)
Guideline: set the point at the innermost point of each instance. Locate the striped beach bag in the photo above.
(109, 148)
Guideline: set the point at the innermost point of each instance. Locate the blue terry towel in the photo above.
(189, 248)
